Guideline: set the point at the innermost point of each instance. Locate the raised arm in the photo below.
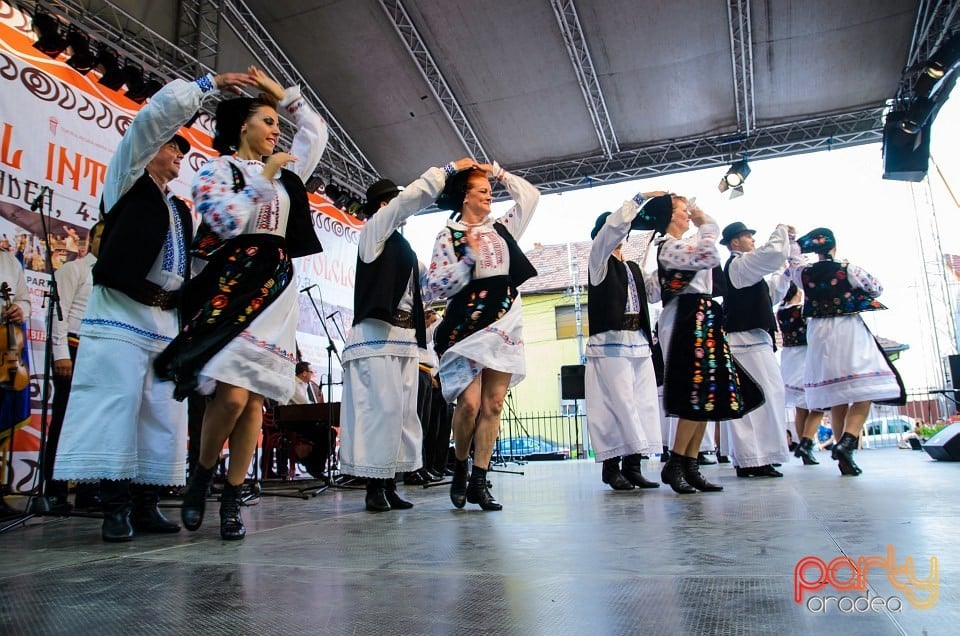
(749, 268)
(525, 196)
(693, 255)
(862, 279)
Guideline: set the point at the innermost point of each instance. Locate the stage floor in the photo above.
(566, 556)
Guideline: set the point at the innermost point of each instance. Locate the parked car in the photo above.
(529, 449)
(885, 431)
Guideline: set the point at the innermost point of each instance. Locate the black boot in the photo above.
(805, 452)
(195, 497)
(691, 473)
(377, 495)
(231, 523)
(117, 506)
(477, 491)
(146, 515)
(721, 459)
(395, 501)
(458, 487)
(665, 455)
(843, 453)
(612, 476)
(631, 470)
(703, 460)
(672, 475)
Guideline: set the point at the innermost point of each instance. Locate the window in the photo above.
(566, 318)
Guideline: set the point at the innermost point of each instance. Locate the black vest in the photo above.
(828, 292)
(301, 238)
(607, 301)
(134, 232)
(748, 307)
(521, 269)
(793, 328)
(381, 284)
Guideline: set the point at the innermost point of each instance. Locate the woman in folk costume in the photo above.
(623, 410)
(793, 329)
(702, 382)
(240, 314)
(845, 368)
(478, 266)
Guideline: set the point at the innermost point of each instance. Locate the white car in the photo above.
(885, 431)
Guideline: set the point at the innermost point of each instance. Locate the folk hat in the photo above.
(817, 241)
(382, 190)
(733, 231)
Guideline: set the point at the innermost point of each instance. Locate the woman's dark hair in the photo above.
(455, 190)
(230, 116)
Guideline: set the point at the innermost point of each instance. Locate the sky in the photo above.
(880, 225)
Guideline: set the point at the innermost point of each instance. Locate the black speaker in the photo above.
(954, 363)
(905, 156)
(571, 382)
(945, 445)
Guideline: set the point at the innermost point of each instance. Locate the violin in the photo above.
(14, 375)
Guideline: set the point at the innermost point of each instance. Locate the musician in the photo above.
(14, 405)
(306, 390)
(74, 282)
(122, 427)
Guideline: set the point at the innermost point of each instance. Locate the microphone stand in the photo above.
(331, 351)
(37, 503)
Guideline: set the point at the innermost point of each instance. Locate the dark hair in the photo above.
(301, 367)
(230, 116)
(455, 190)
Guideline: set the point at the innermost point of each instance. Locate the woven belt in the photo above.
(154, 296)
(631, 322)
(401, 318)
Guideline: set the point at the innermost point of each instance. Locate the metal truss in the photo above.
(936, 19)
(741, 57)
(343, 157)
(822, 133)
(569, 22)
(449, 105)
(198, 26)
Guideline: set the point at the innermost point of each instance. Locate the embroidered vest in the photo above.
(608, 300)
(828, 292)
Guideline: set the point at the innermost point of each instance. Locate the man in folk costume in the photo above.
(380, 432)
(122, 427)
(623, 410)
(754, 285)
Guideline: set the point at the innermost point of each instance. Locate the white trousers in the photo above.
(623, 410)
(759, 437)
(380, 433)
(121, 422)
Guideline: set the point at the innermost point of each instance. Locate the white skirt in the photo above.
(759, 437)
(499, 346)
(623, 411)
(844, 364)
(791, 371)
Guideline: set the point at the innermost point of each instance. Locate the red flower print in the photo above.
(219, 301)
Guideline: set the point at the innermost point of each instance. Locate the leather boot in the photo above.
(376, 499)
(631, 470)
(458, 487)
(117, 506)
(843, 453)
(612, 476)
(195, 497)
(395, 501)
(146, 515)
(805, 452)
(691, 473)
(231, 523)
(672, 475)
(477, 491)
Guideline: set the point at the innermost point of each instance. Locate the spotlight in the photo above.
(314, 184)
(112, 76)
(82, 59)
(49, 39)
(332, 191)
(734, 178)
(139, 92)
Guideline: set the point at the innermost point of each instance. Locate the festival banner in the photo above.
(58, 130)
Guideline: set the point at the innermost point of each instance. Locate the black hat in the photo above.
(818, 241)
(182, 143)
(734, 230)
(655, 215)
(456, 189)
(382, 190)
(599, 224)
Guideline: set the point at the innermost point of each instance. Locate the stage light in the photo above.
(139, 92)
(314, 184)
(734, 178)
(332, 191)
(50, 40)
(82, 58)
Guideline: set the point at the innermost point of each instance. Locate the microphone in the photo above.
(308, 288)
(38, 202)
